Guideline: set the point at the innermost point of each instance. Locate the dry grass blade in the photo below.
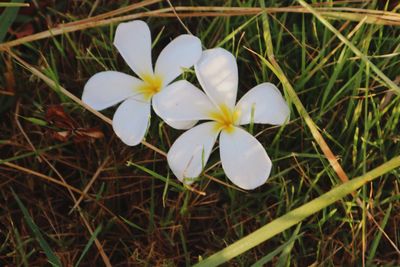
(103, 255)
(16, 116)
(66, 28)
(115, 12)
(355, 14)
(212, 178)
(43, 176)
(52, 84)
(177, 16)
(274, 66)
(95, 175)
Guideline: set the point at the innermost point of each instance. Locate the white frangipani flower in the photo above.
(243, 158)
(105, 89)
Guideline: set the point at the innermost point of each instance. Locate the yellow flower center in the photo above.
(226, 118)
(152, 84)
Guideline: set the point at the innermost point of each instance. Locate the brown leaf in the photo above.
(9, 76)
(57, 116)
(61, 136)
(91, 132)
(24, 30)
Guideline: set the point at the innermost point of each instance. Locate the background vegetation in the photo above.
(72, 194)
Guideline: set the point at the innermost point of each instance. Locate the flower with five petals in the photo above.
(105, 89)
(243, 158)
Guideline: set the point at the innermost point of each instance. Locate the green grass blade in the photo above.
(156, 175)
(134, 225)
(233, 33)
(51, 257)
(297, 215)
(378, 237)
(33, 153)
(20, 248)
(89, 244)
(267, 258)
(355, 50)
(8, 16)
(185, 250)
(13, 4)
(284, 258)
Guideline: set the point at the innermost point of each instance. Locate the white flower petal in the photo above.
(182, 52)
(218, 75)
(182, 101)
(181, 125)
(191, 150)
(269, 105)
(133, 41)
(243, 158)
(107, 88)
(131, 120)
